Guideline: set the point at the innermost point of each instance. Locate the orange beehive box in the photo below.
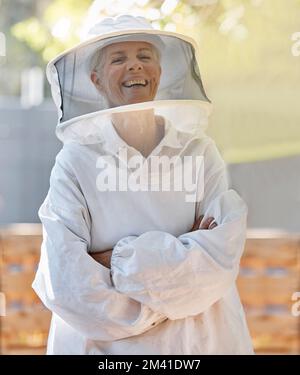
(25, 326)
(269, 278)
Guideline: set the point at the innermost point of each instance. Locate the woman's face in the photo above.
(129, 73)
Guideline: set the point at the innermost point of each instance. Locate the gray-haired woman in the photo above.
(136, 187)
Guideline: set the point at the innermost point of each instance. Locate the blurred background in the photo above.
(250, 65)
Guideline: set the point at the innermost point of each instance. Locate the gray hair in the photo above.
(97, 61)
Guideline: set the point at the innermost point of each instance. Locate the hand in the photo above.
(208, 223)
(102, 257)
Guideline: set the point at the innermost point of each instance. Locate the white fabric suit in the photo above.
(169, 291)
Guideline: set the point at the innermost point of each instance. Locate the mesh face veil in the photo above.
(125, 65)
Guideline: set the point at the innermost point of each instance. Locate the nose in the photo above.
(134, 64)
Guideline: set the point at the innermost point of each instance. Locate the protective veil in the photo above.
(170, 290)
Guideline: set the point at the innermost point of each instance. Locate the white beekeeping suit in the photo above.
(170, 290)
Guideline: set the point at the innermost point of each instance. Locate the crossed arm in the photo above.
(104, 257)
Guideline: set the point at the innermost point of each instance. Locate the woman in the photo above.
(134, 254)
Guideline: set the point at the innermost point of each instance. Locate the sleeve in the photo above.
(183, 276)
(69, 281)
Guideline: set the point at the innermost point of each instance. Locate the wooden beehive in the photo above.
(270, 269)
(269, 276)
(25, 326)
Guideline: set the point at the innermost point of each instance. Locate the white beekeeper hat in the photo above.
(69, 73)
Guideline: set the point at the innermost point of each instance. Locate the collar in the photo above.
(114, 142)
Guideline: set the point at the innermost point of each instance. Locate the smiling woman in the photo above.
(124, 269)
(127, 72)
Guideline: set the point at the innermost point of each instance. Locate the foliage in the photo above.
(61, 16)
(245, 57)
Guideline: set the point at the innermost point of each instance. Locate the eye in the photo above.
(145, 57)
(117, 60)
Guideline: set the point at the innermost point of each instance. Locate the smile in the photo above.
(136, 82)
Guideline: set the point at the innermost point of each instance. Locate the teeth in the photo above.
(135, 82)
